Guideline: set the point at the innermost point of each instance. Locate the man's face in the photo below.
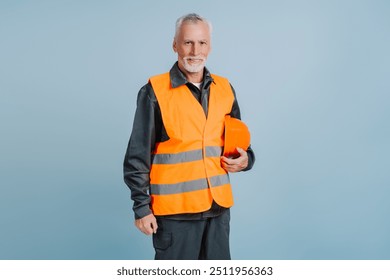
(192, 44)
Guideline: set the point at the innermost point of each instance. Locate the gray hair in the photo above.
(193, 18)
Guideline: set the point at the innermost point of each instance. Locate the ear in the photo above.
(174, 45)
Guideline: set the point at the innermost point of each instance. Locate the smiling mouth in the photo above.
(194, 60)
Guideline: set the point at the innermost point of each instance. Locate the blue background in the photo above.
(312, 79)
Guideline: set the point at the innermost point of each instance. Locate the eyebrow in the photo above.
(200, 40)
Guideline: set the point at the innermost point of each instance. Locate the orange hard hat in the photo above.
(236, 135)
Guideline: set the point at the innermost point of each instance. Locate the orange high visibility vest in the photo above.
(186, 173)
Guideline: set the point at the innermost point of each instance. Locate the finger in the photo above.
(230, 165)
(148, 230)
(228, 168)
(138, 224)
(241, 151)
(227, 160)
(224, 165)
(154, 226)
(143, 227)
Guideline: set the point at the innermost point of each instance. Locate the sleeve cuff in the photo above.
(142, 212)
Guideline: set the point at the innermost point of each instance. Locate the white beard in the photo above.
(195, 68)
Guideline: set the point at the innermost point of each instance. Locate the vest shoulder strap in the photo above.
(160, 82)
(222, 82)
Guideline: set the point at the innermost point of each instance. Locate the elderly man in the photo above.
(174, 165)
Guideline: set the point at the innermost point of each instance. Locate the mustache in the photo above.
(194, 58)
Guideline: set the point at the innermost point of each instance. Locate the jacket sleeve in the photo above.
(235, 113)
(137, 162)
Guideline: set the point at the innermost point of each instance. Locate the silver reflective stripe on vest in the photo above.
(194, 185)
(177, 158)
(211, 151)
(188, 186)
(219, 180)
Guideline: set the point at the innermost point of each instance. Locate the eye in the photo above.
(203, 43)
(187, 43)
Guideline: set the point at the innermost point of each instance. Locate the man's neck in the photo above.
(194, 77)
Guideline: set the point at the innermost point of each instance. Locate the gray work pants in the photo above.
(205, 239)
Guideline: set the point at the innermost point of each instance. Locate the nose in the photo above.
(195, 49)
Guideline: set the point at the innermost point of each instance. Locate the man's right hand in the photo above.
(147, 224)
